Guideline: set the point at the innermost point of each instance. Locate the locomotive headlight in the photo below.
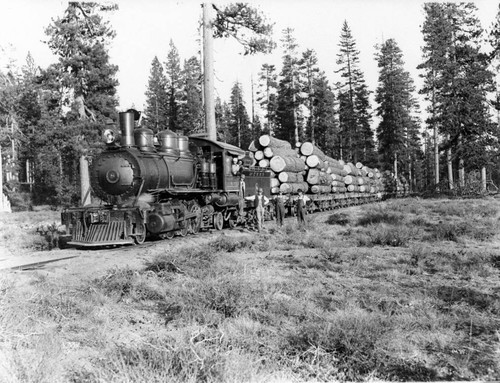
(112, 176)
(108, 136)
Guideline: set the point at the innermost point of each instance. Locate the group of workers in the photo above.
(261, 201)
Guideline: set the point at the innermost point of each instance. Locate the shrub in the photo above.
(487, 210)
(380, 215)
(341, 219)
(420, 221)
(197, 356)
(406, 205)
(451, 208)
(230, 244)
(313, 241)
(345, 344)
(384, 235)
(117, 281)
(453, 231)
(20, 201)
(331, 253)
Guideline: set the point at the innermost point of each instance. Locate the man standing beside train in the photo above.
(280, 208)
(302, 200)
(260, 202)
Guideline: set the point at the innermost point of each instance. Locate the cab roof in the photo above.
(231, 149)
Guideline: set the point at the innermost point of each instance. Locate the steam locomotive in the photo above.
(173, 185)
(178, 185)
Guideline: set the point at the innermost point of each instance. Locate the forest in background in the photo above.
(51, 119)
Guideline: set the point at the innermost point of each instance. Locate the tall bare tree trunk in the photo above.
(84, 114)
(1, 181)
(410, 174)
(253, 110)
(296, 128)
(450, 168)
(208, 71)
(461, 170)
(396, 165)
(483, 179)
(436, 145)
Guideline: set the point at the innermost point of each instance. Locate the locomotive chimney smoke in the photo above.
(126, 120)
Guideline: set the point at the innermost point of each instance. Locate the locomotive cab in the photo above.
(216, 159)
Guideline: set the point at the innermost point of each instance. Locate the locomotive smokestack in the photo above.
(126, 120)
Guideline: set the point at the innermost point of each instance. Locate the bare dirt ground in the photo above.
(80, 263)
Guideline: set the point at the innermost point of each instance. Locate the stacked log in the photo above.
(287, 164)
(306, 167)
(290, 177)
(293, 187)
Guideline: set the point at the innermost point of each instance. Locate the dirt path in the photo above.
(86, 263)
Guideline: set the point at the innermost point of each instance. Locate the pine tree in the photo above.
(437, 39)
(173, 72)
(356, 137)
(239, 121)
(494, 39)
(84, 80)
(245, 24)
(397, 132)
(190, 115)
(288, 114)
(323, 119)
(222, 120)
(156, 110)
(266, 96)
(310, 71)
(458, 81)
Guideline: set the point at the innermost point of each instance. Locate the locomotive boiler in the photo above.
(159, 186)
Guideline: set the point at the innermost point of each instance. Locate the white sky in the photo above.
(144, 29)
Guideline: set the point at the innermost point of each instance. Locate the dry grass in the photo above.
(18, 230)
(339, 301)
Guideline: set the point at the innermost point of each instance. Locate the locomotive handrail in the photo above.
(138, 192)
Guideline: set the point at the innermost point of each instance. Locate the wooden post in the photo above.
(483, 179)
(436, 157)
(461, 169)
(84, 181)
(396, 165)
(450, 169)
(208, 71)
(1, 182)
(461, 172)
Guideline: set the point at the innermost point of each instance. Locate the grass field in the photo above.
(405, 290)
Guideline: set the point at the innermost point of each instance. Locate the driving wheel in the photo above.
(218, 220)
(140, 238)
